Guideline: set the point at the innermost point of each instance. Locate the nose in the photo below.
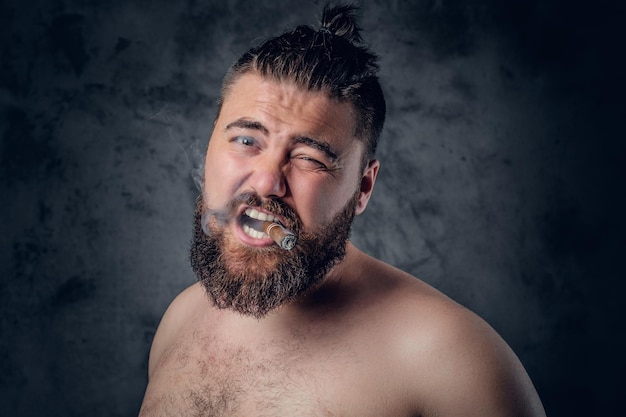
(268, 177)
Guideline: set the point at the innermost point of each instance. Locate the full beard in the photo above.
(254, 281)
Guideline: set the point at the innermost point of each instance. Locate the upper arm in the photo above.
(468, 370)
(176, 314)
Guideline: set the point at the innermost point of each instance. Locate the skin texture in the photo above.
(370, 340)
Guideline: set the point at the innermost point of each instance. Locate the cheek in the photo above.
(220, 179)
(317, 205)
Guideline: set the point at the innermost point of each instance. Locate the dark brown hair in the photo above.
(332, 59)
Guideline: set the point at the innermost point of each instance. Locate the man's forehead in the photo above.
(262, 88)
(253, 95)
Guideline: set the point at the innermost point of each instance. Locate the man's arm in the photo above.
(178, 312)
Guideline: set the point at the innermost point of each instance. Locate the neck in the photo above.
(329, 297)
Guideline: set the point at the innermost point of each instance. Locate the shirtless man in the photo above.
(321, 329)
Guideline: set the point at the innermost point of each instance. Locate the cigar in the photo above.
(283, 237)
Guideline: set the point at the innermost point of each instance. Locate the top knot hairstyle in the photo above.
(332, 59)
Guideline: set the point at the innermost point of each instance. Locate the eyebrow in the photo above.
(247, 124)
(319, 145)
(313, 143)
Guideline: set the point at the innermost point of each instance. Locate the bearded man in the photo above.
(319, 327)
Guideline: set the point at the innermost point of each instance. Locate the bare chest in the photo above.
(204, 376)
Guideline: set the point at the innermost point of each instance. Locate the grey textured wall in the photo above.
(501, 182)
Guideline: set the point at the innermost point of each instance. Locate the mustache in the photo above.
(288, 216)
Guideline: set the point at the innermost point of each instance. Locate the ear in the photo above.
(367, 185)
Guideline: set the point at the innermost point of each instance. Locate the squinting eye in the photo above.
(309, 162)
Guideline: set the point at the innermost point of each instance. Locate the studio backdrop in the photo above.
(500, 183)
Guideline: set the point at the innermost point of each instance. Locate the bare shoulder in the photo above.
(471, 370)
(450, 361)
(187, 304)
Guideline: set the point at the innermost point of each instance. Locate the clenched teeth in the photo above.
(254, 233)
(257, 215)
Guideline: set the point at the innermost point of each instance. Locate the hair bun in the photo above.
(340, 20)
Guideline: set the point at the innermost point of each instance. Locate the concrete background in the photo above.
(501, 181)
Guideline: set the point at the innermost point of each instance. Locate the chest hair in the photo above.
(204, 376)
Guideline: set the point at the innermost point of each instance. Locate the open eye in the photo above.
(244, 140)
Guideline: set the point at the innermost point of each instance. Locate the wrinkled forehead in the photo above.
(253, 95)
(245, 86)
